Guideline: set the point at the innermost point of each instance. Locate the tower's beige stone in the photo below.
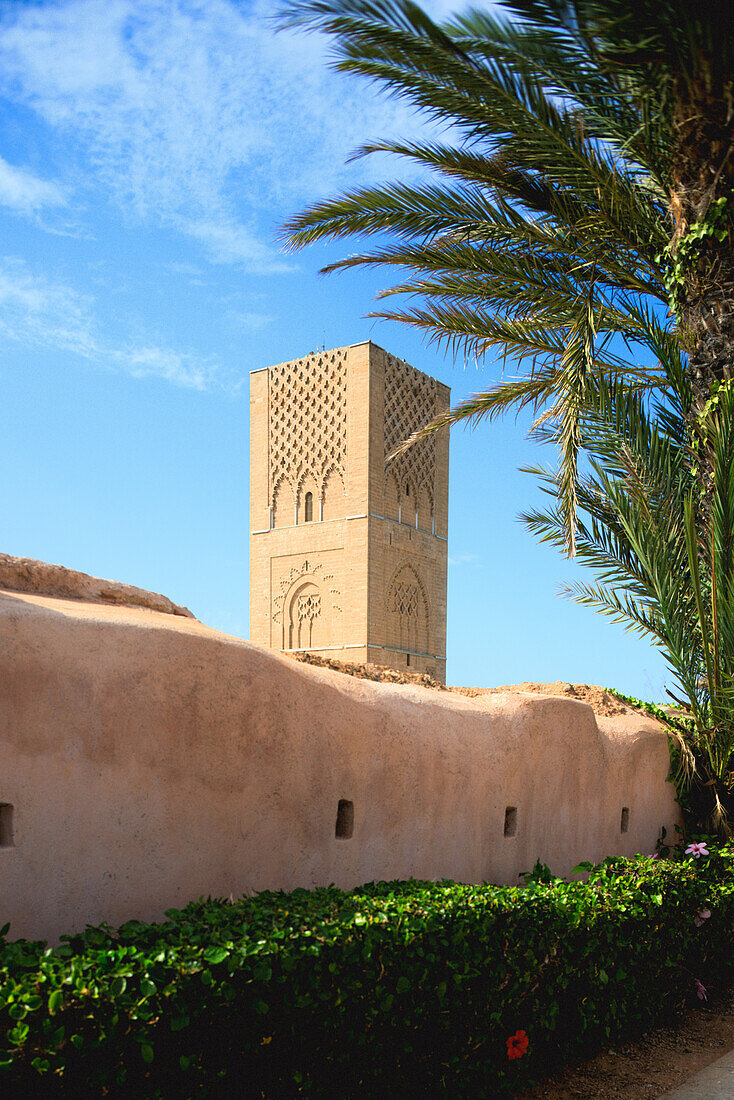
(348, 554)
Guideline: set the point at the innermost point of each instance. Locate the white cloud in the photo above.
(466, 559)
(24, 193)
(226, 242)
(195, 114)
(183, 268)
(246, 321)
(36, 311)
(174, 366)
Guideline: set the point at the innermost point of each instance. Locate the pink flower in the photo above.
(701, 916)
(653, 855)
(697, 850)
(700, 990)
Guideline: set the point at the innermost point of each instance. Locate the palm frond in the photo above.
(535, 231)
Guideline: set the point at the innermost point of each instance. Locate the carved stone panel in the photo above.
(306, 600)
(408, 610)
(307, 436)
(410, 402)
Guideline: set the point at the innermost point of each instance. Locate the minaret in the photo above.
(348, 555)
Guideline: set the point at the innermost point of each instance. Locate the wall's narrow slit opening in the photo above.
(344, 819)
(625, 822)
(6, 825)
(511, 821)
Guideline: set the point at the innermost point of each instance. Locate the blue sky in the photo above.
(149, 151)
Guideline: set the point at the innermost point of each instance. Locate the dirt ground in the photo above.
(599, 699)
(661, 1061)
(602, 701)
(370, 672)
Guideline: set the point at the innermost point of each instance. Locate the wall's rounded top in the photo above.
(41, 579)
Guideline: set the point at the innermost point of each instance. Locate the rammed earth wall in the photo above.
(146, 760)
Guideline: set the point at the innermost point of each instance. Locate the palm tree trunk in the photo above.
(707, 317)
(703, 171)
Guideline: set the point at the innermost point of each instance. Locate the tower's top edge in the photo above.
(346, 347)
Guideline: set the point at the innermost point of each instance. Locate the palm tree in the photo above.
(591, 181)
(661, 568)
(582, 220)
(677, 59)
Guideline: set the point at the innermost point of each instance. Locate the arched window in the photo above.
(333, 503)
(309, 507)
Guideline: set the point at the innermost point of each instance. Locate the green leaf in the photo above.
(19, 1033)
(216, 954)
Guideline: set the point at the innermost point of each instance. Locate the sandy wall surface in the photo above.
(150, 760)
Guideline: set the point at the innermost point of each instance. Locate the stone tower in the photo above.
(348, 555)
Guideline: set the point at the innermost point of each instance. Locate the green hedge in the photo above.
(394, 989)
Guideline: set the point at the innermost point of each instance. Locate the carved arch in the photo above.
(333, 493)
(307, 484)
(391, 506)
(425, 509)
(408, 502)
(307, 608)
(408, 610)
(283, 502)
(304, 613)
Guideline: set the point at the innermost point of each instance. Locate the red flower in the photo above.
(517, 1044)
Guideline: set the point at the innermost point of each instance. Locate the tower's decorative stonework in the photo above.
(348, 552)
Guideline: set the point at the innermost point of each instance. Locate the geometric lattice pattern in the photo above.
(405, 599)
(410, 402)
(309, 607)
(308, 418)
